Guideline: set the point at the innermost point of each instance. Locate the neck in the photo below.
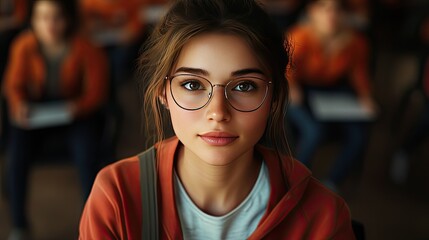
(217, 190)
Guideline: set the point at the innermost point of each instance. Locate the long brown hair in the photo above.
(189, 18)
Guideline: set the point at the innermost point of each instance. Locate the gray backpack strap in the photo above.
(148, 185)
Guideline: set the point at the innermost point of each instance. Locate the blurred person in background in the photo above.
(50, 63)
(331, 57)
(118, 26)
(13, 16)
(400, 166)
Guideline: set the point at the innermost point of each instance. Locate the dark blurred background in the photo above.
(386, 186)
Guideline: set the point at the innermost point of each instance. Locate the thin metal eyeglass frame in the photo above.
(225, 86)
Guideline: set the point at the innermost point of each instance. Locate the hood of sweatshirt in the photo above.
(288, 183)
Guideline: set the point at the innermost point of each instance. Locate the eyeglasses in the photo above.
(192, 92)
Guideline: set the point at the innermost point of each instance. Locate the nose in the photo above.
(218, 109)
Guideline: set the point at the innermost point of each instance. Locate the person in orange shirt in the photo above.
(216, 69)
(327, 57)
(125, 17)
(118, 26)
(52, 64)
(120, 15)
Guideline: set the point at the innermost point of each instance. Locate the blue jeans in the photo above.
(311, 132)
(82, 144)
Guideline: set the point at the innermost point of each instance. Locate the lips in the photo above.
(218, 138)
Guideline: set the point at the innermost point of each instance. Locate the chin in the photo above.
(219, 156)
(215, 160)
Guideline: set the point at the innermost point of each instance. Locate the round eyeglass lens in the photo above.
(190, 92)
(246, 94)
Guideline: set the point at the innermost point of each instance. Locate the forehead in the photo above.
(46, 7)
(218, 54)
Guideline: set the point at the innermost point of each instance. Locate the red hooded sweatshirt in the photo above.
(303, 210)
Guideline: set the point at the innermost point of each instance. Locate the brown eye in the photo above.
(192, 85)
(244, 86)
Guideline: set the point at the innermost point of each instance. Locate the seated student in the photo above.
(51, 64)
(216, 69)
(327, 57)
(118, 26)
(119, 16)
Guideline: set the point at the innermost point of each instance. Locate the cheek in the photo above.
(181, 119)
(255, 122)
(43, 29)
(39, 26)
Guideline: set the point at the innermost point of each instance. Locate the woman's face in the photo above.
(48, 22)
(326, 16)
(217, 133)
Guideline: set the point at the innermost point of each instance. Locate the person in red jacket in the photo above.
(119, 27)
(51, 64)
(215, 68)
(329, 58)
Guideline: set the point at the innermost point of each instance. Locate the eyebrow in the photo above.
(196, 71)
(247, 71)
(199, 71)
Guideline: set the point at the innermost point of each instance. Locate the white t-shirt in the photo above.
(237, 224)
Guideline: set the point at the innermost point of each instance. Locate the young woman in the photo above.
(329, 58)
(51, 63)
(215, 69)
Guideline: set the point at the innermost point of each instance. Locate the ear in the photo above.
(163, 99)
